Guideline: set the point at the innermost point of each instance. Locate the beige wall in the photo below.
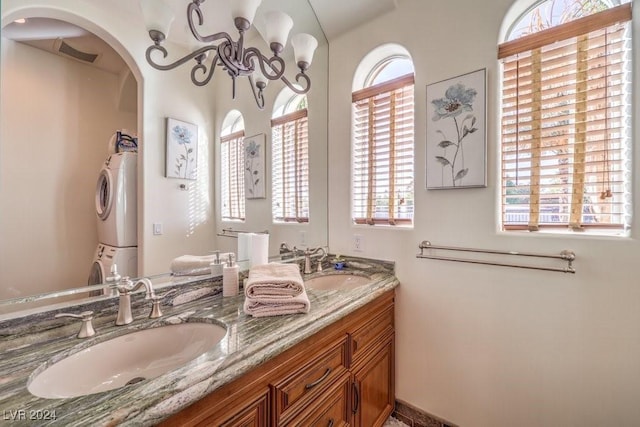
(479, 345)
(57, 116)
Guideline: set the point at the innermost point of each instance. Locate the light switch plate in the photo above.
(157, 228)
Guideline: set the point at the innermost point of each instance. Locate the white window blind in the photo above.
(290, 162)
(566, 125)
(382, 168)
(232, 176)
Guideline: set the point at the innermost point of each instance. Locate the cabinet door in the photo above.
(373, 393)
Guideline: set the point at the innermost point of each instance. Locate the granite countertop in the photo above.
(27, 346)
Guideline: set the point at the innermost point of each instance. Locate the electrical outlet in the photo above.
(157, 228)
(303, 238)
(358, 243)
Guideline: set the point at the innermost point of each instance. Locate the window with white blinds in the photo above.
(232, 176)
(290, 167)
(383, 151)
(566, 116)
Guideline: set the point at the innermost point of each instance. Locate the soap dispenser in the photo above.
(230, 277)
(216, 265)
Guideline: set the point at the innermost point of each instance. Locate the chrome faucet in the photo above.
(307, 259)
(125, 288)
(286, 251)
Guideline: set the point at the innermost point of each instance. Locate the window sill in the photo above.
(612, 234)
(382, 226)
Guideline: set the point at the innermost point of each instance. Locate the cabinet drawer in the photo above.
(295, 390)
(248, 408)
(254, 415)
(331, 409)
(375, 329)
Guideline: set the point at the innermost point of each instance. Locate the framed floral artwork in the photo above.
(456, 132)
(182, 149)
(254, 165)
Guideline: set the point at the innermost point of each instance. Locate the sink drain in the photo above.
(135, 380)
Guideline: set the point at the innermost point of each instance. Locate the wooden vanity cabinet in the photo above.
(341, 376)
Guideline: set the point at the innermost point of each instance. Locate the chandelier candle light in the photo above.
(236, 59)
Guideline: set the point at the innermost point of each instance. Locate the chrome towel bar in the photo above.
(565, 255)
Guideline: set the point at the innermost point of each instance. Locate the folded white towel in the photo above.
(277, 307)
(193, 265)
(274, 281)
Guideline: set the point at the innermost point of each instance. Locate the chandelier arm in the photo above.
(203, 68)
(265, 63)
(304, 88)
(194, 8)
(177, 63)
(226, 53)
(258, 96)
(231, 56)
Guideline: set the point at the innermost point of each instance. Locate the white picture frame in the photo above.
(181, 150)
(456, 132)
(254, 166)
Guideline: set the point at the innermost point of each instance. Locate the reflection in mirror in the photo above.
(259, 211)
(57, 126)
(64, 99)
(232, 167)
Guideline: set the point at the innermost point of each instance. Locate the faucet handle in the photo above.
(114, 276)
(155, 304)
(86, 329)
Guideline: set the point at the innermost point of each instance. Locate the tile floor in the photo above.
(392, 422)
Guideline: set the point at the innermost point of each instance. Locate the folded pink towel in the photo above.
(257, 307)
(274, 281)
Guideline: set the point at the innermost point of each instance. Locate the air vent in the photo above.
(82, 56)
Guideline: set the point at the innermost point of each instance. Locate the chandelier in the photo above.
(234, 58)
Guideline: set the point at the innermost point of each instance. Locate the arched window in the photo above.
(232, 167)
(566, 114)
(383, 138)
(290, 158)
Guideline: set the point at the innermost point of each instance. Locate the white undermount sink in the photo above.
(336, 281)
(126, 360)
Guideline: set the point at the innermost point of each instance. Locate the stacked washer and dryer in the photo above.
(117, 217)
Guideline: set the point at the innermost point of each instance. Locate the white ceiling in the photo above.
(334, 16)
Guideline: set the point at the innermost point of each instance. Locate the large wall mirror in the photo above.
(59, 116)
